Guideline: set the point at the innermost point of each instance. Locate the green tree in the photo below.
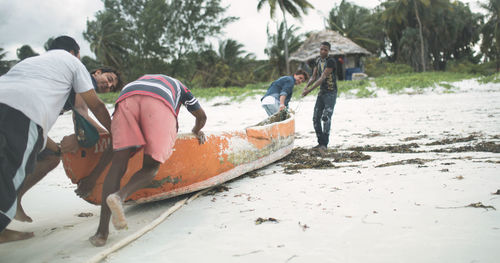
(232, 54)
(454, 33)
(398, 15)
(358, 24)
(4, 64)
(25, 51)
(90, 63)
(490, 45)
(294, 8)
(274, 49)
(230, 51)
(191, 22)
(109, 37)
(148, 35)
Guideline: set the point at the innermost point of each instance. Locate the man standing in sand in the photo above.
(280, 92)
(104, 80)
(327, 96)
(32, 94)
(145, 117)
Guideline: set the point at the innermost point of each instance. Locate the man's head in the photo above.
(108, 80)
(300, 76)
(324, 48)
(67, 43)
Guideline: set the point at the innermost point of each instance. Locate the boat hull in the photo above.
(192, 167)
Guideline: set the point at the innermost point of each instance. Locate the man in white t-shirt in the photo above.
(32, 94)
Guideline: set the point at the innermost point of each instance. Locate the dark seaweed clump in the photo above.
(303, 158)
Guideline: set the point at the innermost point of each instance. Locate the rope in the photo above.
(101, 256)
(297, 107)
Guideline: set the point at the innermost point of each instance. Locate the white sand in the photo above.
(355, 213)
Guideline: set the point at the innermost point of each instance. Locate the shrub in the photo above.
(376, 67)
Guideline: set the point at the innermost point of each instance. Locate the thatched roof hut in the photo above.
(340, 46)
(347, 53)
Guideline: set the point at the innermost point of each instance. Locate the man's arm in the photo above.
(318, 82)
(69, 143)
(83, 109)
(311, 80)
(201, 119)
(98, 108)
(282, 102)
(51, 145)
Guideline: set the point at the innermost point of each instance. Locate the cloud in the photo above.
(32, 22)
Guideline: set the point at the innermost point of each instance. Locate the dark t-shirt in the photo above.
(330, 83)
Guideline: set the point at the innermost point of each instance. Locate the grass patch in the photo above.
(394, 84)
(493, 78)
(108, 98)
(420, 81)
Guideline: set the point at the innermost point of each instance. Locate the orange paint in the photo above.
(192, 166)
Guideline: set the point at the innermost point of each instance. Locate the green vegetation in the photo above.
(109, 98)
(419, 81)
(494, 78)
(394, 84)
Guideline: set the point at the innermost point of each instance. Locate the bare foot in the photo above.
(21, 215)
(117, 215)
(98, 240)
(85, 187)
(8, 235)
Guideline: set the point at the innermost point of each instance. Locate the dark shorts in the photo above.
(20, 141)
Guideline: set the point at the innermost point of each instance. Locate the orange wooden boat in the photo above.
(192, 167)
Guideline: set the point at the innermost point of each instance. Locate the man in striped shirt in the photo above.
(145, 117)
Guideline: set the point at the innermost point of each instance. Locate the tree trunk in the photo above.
(422, 57)
(282, 6)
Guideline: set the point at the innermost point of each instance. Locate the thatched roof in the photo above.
(340, 46)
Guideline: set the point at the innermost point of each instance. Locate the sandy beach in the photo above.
(407, 178)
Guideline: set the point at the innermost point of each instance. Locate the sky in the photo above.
(32, 22)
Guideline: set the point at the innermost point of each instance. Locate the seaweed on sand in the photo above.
(403, 148)
(277, 117)
(302, 158)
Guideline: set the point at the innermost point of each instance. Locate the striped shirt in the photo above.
(171, 91)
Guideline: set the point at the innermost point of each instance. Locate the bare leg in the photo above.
(8, 235)
(86, 184)
(111, 184)
(42, 168)
(139, 180)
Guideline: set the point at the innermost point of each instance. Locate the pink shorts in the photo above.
(144, 121)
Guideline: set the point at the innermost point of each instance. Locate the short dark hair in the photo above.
(326, 44)
(303, 73)
(65, 42)
(119, 83)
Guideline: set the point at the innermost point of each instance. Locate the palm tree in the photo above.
(398, 10)
(108, 37)
(358, 24)
(398, 13)
(230, 51)
(4, 64)
(491, 32)
(275, 47)
(25, 51)
(294, 8)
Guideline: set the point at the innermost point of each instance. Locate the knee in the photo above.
(151, 169)
(315, 119)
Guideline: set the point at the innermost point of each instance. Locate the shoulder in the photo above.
(330, 62)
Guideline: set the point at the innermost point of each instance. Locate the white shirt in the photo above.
(270, 100)
(39, 86)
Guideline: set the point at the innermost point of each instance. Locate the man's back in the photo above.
(39, 86)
